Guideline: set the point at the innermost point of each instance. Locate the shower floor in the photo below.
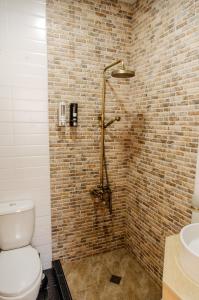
(89, 279)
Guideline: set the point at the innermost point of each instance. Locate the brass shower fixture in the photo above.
(117, 118)
(103, 191)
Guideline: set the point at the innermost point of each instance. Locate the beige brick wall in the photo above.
(164, 125)
(83, 37)
(151, 152)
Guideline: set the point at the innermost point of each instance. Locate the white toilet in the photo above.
(20, 265)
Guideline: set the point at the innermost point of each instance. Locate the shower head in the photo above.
(119, 73)
(123, 73)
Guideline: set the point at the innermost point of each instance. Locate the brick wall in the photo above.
(151, 152)
(83, 37)
(164, 125)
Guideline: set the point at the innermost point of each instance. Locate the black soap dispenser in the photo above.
(73, 114)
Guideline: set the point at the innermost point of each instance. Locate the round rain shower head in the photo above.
(123, 73)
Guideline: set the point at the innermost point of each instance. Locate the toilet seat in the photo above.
(19, 270)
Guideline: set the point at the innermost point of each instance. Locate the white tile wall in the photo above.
(24, 149)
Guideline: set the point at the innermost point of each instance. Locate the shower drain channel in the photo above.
(115, 279)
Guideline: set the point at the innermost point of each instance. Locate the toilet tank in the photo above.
(16, 224)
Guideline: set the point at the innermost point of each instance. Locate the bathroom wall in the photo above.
(164, 125)
(196, 187)
(151, 152)
(83, 37)
(24, 149)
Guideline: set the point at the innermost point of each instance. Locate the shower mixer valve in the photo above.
(104, 195)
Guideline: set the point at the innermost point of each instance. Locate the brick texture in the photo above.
(83, 37)
(151, 152)
(164, 121)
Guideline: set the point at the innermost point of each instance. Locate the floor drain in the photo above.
(115, 279)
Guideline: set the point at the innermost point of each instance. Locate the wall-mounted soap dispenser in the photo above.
(62, 114)
(73, 114)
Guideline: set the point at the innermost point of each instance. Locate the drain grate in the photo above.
(115, 279)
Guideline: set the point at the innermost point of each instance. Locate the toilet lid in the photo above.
(19, 269)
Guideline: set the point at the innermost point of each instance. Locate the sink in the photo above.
(189, 252)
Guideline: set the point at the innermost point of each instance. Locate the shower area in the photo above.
(90, 64)
(121, 180)
(84, 38)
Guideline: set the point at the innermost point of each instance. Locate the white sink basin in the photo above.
(189, 253)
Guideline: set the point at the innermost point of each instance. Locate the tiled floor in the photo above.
(89, 279)
(52, 292)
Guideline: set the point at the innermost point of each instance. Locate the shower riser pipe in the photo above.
(103, 119)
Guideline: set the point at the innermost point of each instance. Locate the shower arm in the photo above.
(113, 64)
(102, 118)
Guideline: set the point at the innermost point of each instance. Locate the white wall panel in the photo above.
(24, 148)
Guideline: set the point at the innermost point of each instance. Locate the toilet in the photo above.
(20, 264)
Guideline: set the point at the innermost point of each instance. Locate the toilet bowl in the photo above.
(20, 274)
(20, 265)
